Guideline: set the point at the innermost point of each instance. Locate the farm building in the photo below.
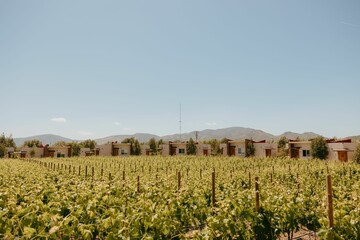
(203, 149)
(85, 152)
(238, 148)
(342, 150)
(174, 148)
(113, 149)
(9, 152)
(45, 151)
(180, 148)
(299, 149)
(265, 149)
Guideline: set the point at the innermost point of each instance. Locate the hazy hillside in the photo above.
(142, 137)
(45, 139)
(230, 133)
(233, 133)
(355, 138)
(302, 136)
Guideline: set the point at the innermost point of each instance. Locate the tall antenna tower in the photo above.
(180, 121)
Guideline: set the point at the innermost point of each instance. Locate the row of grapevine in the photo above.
(176, 197)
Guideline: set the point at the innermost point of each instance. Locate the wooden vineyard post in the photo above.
(213, 188)
(69, 168)
(271, 176)
(73, 170)
(200, 173)
(123, 178)
(92, 172)
(86, 171)
(79, 170)
(109, 176)
(179, 180)
(138, 184)
(257, 195)
(249, 179)
(102, 172)
(330, 201)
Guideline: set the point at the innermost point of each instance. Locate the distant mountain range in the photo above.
(230, 133)
(44, 138)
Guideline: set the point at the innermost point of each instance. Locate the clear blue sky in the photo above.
(89, 69)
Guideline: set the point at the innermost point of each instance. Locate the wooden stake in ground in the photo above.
(213, 188)
(138, 184)
(179, 180)
(257, 194)
(330, 201)
(249, 179)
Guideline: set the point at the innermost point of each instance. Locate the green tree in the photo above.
(32, 153)
(191, 147)
(135, 148)
(60, 144)
(282, 151)
(153, 146)
(215, 146)
(319, 148)
(4, 143)
(224, 140)
(250, 149)
(356, 157)
(75, 148)
(88, 144)
(2, 151)
(160, 142)
(32, 143)
(7, 141)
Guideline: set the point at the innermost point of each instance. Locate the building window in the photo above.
(306, 153)
(239, 151)
(123, 152)
(181, 150)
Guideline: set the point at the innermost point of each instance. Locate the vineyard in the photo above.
(176, 198)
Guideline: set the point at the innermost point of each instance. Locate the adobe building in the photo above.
(113, 149)
(299, 149)
(238, 148)
(265, 149)
(203, 149)
(9, 152)
(342, 150)
(174, 148)
(85, 152)
(46, 151)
